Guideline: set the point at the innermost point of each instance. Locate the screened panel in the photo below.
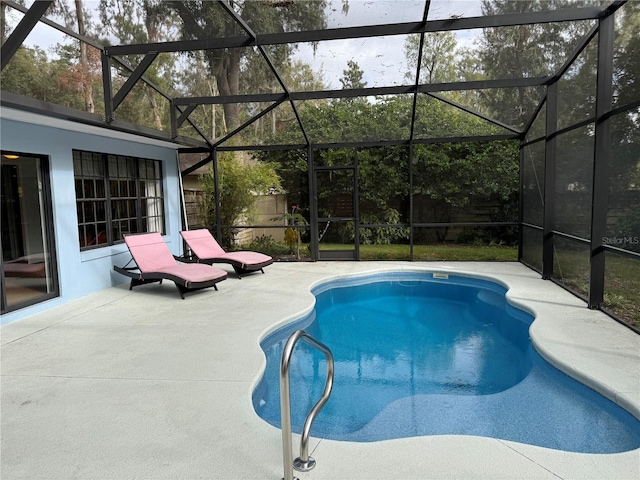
(383, 190)
(622, 287)
(279, 126)
(466, 182)
(277, 242)
(336, 194)
(370, 250)
(571, 264)
(577, 88)
(342, 64)
(626, 68)
(532, 188)
(437, 119)
(146, 107)
(39, 74)
(574, 181)
(445, 9)
(292, 168)
(509, 106)
(532, 247)
(623, 217)
(538, 127)
(360, 119)
(462, 243)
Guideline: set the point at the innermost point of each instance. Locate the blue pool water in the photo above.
(417, 355)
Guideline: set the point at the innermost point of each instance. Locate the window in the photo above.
(115, 196)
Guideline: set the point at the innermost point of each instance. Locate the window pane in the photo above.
(100, 193)
(82, 236)
(131, 204)
(79, 193)
(98, 165)
(101, 214)
(90, 234)
(102, 233)
(113, 166)
(115, 231)
(123, 188)
(89, 190)
(89, 214)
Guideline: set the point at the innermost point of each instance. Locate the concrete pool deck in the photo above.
(140, 384)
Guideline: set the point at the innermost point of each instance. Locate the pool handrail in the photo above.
(304, 462)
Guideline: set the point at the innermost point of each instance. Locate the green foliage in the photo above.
(238, 186)
(352, 76)
(439, 53)
(453, 174)
(295, 220)
(523, 51)
(207, 19)
(376, 235)
(30, 73)
(267, 245)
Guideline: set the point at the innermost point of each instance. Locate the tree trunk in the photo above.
(228, 80)
(157, 120)
(84, 62)
(213, 110)
(153, 35)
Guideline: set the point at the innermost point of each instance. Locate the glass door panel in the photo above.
(28, 264)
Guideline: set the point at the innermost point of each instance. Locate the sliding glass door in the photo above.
(29, 272)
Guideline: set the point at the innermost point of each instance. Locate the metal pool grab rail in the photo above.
(304, 462)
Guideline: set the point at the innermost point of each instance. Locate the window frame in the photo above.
(116, 195)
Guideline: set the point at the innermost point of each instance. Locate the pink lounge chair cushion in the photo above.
(245, 257)
(150, 252)
(194, 272)
(152, 255)
(202, 243)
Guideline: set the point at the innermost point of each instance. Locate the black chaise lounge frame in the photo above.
(204, 248)
(154, 263)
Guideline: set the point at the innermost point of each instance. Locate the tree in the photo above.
(451, 175)
(142, 21)
(238, 187)
(439, 52)
(523, 51)
(352, 76)
(206, 19)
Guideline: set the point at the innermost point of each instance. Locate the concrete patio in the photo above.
(140, 384)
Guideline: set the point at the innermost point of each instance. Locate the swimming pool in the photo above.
(417, 355)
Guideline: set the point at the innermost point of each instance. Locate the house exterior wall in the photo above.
(82, 273)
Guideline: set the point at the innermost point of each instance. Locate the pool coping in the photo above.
(553, 339)
(182, 372)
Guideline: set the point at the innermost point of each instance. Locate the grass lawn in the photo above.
(621, 286)
(432, 252)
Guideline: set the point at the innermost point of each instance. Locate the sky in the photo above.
(381, 58)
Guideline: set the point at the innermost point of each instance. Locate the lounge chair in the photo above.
(205, 249)
(154, 262)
